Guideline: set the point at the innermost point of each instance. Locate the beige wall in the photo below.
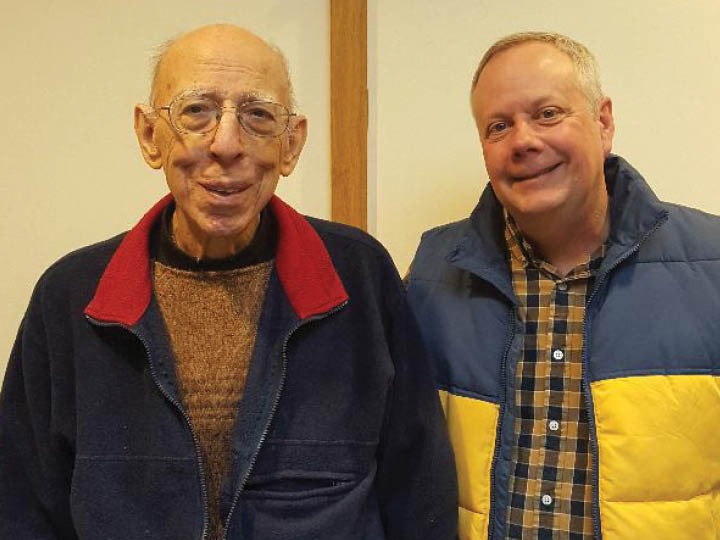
(71, 170)
(72, 174)
(660, 62)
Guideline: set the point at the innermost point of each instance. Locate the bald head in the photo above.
(224, 45)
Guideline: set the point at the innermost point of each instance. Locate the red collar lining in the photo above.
(302, 261)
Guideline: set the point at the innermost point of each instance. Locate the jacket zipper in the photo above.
(586, 379)
(196, 442)
(501, 414)
(276, 401)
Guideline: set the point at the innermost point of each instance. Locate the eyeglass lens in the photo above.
(197, 114)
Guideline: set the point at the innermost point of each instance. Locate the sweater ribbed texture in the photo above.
(211, 319)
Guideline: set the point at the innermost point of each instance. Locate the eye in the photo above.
(496, 129)
(549, 115)
(195, 108)
(194, 114)
(259, 113)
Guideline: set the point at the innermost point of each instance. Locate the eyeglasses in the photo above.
(199, 114)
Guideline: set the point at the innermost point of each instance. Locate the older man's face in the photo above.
(222, 180)
(544, 147)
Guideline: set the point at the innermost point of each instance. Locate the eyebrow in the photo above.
(213, 92)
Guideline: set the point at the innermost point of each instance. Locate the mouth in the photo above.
(224, 191)
(537, 174)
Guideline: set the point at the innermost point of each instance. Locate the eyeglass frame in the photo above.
(220, 111)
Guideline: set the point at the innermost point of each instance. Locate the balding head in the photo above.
(223, 177)
(204, 41)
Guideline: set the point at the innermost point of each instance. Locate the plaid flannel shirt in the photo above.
(551, 477)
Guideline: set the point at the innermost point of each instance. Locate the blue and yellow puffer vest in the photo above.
(651, 363)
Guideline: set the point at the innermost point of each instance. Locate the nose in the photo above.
(524, 139)
(228, 141)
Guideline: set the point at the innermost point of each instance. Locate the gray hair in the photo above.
(583, 60)
(162, 49)
(155, 61)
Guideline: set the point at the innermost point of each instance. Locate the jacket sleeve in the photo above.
(417, 483)
(35, 459)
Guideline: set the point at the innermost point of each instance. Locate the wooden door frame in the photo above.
(348, 111)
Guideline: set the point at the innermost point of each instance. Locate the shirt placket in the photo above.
(559, 358)
(550, 409)
(552, 360)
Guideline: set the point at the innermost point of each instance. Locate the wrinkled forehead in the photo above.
(231, 68)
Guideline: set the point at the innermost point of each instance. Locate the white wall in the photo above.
(659, 59)
(70, 170)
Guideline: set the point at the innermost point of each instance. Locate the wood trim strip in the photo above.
(348, 111)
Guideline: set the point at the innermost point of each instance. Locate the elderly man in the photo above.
(228, 368)
(572, 320)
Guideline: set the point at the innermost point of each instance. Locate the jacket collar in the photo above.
(635, 212)
(481, 250)
(302, 263)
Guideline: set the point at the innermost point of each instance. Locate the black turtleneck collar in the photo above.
(261, 249)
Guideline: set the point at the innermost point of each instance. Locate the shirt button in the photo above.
(562, 286)
(554, 425)
(546, 500)
(558, 354)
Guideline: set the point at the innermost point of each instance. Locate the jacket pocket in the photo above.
(292, 485)
(293, 469)
(310, 490)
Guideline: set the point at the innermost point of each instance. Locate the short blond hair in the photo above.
(583, 60)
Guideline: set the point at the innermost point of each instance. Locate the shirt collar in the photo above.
(520, 250)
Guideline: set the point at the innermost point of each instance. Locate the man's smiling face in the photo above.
(223, 179)
(544, 144)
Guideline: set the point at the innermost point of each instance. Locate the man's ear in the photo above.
(293, 142)
(607, 124)
(145, 118)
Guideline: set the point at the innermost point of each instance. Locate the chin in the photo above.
(532, 208)
(540, 200)
(224, 231)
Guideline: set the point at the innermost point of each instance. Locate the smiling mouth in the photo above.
(223, 192)
(539, 173)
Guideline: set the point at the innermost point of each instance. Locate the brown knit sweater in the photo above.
(211, 318)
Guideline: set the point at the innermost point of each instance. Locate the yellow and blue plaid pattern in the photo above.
(551, 476)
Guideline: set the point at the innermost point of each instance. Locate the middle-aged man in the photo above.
(228, 368)
(573, 321)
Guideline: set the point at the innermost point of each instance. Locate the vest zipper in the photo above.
(276, 401)
(196, 442)
(586, 377)
(501, 414)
